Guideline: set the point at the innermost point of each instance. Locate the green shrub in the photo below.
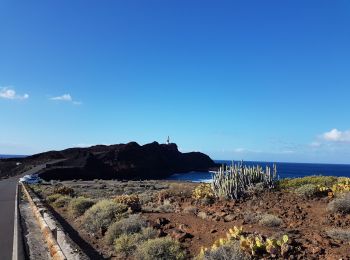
(130, 225)
(229, 251)
(61, 201)
(147, 233)
(125, 244)
(341, 204)
(316, 180)
(339, 234)
(63, 190)
(160, 249)
(269, 220)
(307, 190)
(101, 215)
(78, 206)
(53, 197)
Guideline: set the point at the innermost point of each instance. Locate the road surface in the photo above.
(7, 212)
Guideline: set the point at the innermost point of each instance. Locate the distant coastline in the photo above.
(7, 156)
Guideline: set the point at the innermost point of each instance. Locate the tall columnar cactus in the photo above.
(233, 181)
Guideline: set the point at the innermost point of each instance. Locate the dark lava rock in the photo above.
(122, 161)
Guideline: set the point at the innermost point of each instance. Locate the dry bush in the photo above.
(190, 210)
(339, 234)
(146, 197)
(307, 190)
(126, 244)
(78, 206)
(53, 197)
(229, 251)
(132, 224)
(166, 207)
(101, 215)
(63, 190)
(160, 249)
(179, 189)
(132, 201)
(270, 220)
(62, 201)
(250, 217)
(341, 204)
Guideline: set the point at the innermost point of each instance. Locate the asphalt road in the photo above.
(7, 212)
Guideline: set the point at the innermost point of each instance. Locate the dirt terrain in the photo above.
(169, 208)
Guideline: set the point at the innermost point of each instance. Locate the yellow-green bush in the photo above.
(315, 180)
(61, 201)
(101, 215)
(253, 244)
(132, 224)
(132, 201)
(63, 190)
(53, 197)
(126, 244)
(160, 249)
(78, 206)
(307, 190)
(203, 191)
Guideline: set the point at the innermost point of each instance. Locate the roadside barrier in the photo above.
(18, 248)
(54, 248)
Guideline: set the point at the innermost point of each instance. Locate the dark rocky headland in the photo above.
(129, 161)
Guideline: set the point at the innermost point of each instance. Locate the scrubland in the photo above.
(303, 218)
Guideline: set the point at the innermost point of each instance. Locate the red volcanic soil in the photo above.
(305, 221)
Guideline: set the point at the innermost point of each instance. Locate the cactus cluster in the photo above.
(255, 245)
(343, 185)
(233, 181)
(203, 191)
(132, 201)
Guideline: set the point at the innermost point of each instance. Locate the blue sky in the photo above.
(252, 80)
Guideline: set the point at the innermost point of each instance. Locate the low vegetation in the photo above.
(315, 180)
(270, 220)
(132, 201)
(286, 219)
(252, 244)
(126, 244)
(78, 206)
(228, 251)
(62, 201)
(125, 226)
(53, 197)
(160, 248)
(341, 204)
(339, 234)
(100, 216)
(307, 190)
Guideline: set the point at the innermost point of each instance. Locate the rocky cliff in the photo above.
(122, 161)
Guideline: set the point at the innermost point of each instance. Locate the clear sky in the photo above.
(253, 80)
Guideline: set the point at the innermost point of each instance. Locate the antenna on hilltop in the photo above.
(168, 140)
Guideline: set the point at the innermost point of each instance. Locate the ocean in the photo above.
(6, 156)
(284, 170)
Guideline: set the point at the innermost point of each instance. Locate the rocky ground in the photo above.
(170, 209)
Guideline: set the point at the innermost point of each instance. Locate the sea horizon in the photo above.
(284, 170)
